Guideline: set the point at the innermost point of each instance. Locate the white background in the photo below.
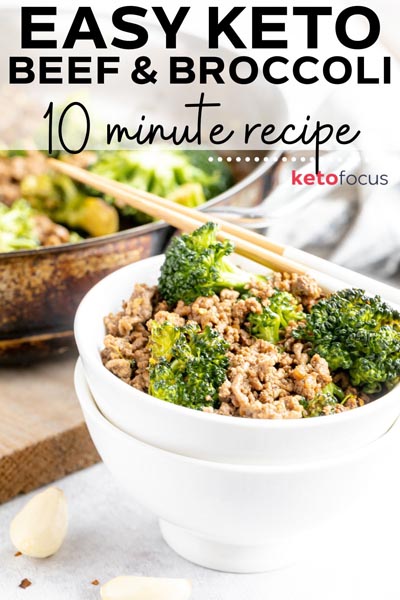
(373, 108)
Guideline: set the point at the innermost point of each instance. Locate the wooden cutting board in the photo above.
(42, 431)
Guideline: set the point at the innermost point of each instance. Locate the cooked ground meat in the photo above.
(125, 350)
(303, 287)
(50, 233)
(264, 381)
(14, 169)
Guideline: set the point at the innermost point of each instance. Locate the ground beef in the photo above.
(14, 169)
(264, 381)
(50, 233)
(125, 351)
(303, 287)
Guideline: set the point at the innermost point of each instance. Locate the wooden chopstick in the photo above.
(245, 234)
(247, 243)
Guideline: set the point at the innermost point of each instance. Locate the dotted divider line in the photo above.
(258, 159)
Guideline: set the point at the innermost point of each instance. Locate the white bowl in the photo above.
(234, 517)
(202, 435)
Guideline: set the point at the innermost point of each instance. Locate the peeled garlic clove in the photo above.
(39, 529)
(146, 588)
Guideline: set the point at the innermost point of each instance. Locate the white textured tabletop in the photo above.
(110, 535)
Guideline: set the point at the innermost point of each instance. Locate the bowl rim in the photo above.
(88, 405)
(93, 359)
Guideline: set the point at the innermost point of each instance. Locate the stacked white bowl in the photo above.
(232, 494)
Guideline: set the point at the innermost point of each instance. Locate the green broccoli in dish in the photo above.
(356, 333)
(58, 197)
(271, 323)
(188, 194)
(215, 176)
(196, 265)
(187, 365)
(11, 153)
(17, 227)
(324, 403)
(186, 177)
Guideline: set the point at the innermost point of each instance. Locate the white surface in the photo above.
(110, 535)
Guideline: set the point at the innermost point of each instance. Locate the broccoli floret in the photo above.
(65, 202)
(17, 227)
(196, 265)
(371, 372)
(187, 177)
(271, 323)
(187, 366)
(216, 175)
(265, 325)
(356, 333)
(324, 403)
(188, 194)
(286, 307)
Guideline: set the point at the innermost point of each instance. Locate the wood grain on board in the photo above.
(43, 435)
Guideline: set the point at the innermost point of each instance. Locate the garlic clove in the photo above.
(146, 588)
(39, 529)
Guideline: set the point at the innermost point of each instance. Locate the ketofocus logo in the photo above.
(343, 178)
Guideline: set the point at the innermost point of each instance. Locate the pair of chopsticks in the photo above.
(247, 243)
